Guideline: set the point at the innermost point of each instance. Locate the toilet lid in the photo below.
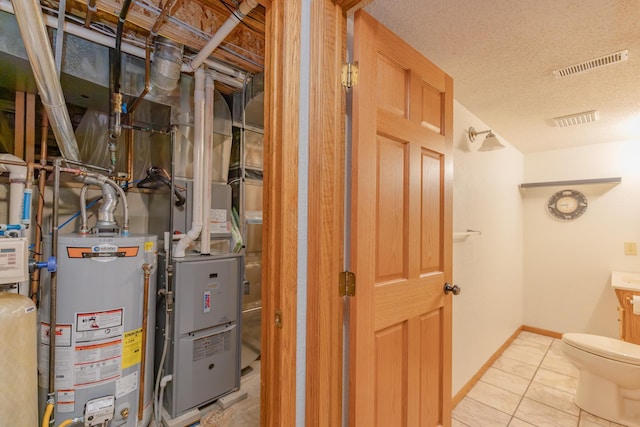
(610, 348)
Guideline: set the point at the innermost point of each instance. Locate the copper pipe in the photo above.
(132, 108)
(147, 78)
(42, 176)
(143, 356)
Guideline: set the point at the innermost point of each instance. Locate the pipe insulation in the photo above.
(198, 153)
(36, 42)
(18, 361)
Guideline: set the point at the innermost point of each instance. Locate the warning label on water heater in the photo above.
(98, 347)
(97, 363)
(99, 325)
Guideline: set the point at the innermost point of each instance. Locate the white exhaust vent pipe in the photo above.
(238, 15)
(198, 161)
(17, 179)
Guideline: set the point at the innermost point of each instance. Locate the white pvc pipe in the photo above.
(198, 147)
(205, 236)
(36, 42)
(245, 7)
(17, 179)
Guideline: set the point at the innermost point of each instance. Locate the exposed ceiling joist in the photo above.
(192, 24)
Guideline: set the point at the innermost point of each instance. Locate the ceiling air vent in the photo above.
(603, 61)
(576, 119)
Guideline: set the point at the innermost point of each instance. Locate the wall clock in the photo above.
(567, 204)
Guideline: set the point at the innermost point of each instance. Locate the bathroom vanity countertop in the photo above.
(625, 280)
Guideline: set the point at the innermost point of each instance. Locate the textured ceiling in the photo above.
(501, 54)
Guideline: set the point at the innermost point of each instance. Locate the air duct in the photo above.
(166, 66)
(36, 42)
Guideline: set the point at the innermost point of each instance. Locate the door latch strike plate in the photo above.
(278, 319)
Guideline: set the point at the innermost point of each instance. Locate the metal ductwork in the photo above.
(166, 66)
(36, 42)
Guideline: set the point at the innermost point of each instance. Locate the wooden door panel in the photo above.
(430, 212)
(401, 241)
(391, 374)
(392, 210)
(398, 301)
(431, 373)
(432, 102)
(392, 87)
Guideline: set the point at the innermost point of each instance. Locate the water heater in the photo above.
(100, 328)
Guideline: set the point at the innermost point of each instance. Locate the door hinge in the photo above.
(349, 75)
(347, 284)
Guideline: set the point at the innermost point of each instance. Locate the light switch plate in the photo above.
(630, 248)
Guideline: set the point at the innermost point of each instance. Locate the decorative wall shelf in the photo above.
(614, 180)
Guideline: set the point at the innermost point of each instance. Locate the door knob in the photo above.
(448, 287)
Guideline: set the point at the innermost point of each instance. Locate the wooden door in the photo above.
(400, 339)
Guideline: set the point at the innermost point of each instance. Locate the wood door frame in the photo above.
(323, 394)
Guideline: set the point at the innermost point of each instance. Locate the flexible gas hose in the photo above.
(67, 423)
(47, 415)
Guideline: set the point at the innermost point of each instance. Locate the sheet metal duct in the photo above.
(38, 49)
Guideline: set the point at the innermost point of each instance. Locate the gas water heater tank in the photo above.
(100, 328)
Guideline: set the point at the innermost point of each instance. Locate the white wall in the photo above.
(567, 264)
(488, 267)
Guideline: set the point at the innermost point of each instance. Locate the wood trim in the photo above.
(280, 233)
(540, 331)
(18, 140)
(326, 206)
(30, 129)
(474, 380)
(352, 5)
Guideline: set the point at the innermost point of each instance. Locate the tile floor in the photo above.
(531, 384)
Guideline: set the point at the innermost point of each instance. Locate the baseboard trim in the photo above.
(474, 380)
(540, 331)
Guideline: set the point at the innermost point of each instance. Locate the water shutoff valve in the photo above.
(50, 264)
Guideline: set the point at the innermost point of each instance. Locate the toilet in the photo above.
(609, 376)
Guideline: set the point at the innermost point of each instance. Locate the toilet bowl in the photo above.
(609, 376)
